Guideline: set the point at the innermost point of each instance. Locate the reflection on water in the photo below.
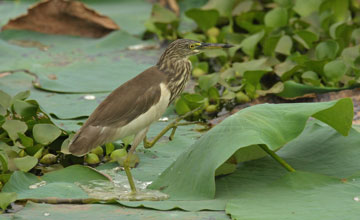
(119, 189)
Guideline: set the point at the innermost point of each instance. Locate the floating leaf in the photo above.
(5, 99)
(45, 133)
(306, 7)
(25, 140)
(248, 45)
(13, 127)
(181, 107)
(224, 7)
(302, 195)
(21, 95)
(273, 125)
(25, 109)
(334, 70)
(60, 183)
(306, 38)
(162, 15)
(293, 89)
(3, 161)
(284, 45)
(253, 65)
(6, 199)
(207, 81)
(205, 19)
(327, 50)
(25, 163)
(277, 17)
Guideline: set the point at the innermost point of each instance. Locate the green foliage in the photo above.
(303, 42)
(273, 125)
(6, 199)
(306, 46)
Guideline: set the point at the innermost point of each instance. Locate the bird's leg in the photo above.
(138, 138)
(173, 125)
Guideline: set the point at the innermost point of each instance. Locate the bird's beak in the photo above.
(204, 46)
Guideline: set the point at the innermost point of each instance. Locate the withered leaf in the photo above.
(65, 18)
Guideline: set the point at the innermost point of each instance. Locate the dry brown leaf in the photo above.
(63, 17)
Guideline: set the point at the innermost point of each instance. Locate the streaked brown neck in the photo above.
(178, 70)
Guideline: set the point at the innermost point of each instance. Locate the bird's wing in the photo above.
(122, 106)
(129, 100)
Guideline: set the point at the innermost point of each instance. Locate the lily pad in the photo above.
(273, 125)
(300, 195)
(58, 184)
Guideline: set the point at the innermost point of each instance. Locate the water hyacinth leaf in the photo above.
(205, 19)
(160, 14)
(339, 9)
(25, 140)
(21, 95)
(310, 77)
(270, 124)
(270, 44)
(3, 111)
(334, 70)
(3, 161)
(25, 163)
(181, 107)
(248, 45)
(6, 199)
(5, 99)
(224, 7)
(207, 81)
(45, 133)
(293, 89)
(284, 45)
(277, 17)
(306, 7)
(327, 50)
(350, 54)
(193, 100)
(25, 109)
(253, 65)
(355, 36)
(305, 38)
(13, 127)
(277, 88)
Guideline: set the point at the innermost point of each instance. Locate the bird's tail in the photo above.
(85, 140)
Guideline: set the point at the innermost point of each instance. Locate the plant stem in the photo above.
(174, 124)
(277, 158)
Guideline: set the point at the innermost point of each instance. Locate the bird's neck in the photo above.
(178, 71)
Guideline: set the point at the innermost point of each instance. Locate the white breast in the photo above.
(147, 118)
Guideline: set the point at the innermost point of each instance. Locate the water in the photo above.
(119, 189)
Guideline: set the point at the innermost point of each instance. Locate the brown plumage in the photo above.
(132, 107)
(131, 101)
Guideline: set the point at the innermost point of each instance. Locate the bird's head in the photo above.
(183, 48)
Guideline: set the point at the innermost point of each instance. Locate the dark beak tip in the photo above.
(228, 46)
(209, 45)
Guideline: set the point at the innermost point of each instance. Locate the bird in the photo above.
(132, 107)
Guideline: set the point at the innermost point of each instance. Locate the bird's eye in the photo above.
(192, 46)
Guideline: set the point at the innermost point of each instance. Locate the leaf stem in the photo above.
(173, 125)
(277, 158)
